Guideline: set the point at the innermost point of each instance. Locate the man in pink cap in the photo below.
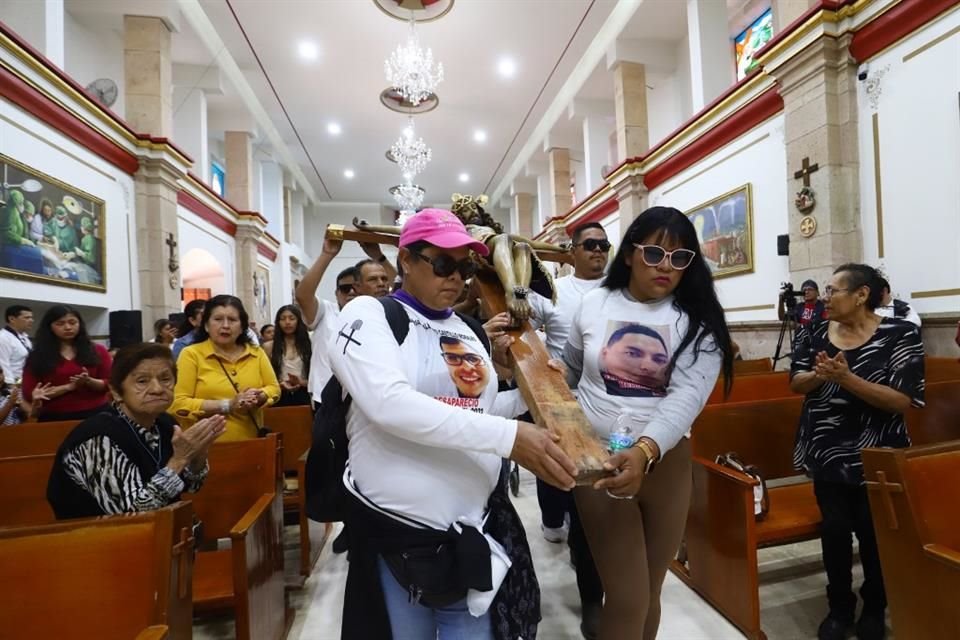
(425, 461)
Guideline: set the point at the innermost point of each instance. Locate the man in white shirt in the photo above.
(590, 251)
(891, 307)
(15, 344)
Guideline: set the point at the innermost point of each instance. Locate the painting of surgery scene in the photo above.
(725, 229)
(49, 231)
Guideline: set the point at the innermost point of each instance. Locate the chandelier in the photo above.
(410, 69)
(410, 152)
(408, 197)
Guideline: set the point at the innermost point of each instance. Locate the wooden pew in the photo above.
(23, 500)
(722, 534)
(159, 632)
(295, 426)
(941, 370)
(747, 367)
(106, 577)
(34, 438)
(939, 420)
(750, 388)
(241, 501)
(914, 495)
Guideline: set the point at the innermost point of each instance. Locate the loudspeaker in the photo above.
(783, 245)
(126, 327)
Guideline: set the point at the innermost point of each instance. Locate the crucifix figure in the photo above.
(174, 263)
(805, 171)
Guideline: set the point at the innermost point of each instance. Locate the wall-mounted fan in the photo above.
(104, 90)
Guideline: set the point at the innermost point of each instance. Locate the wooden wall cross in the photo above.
(886, 488)
(805, 171)
(174, 262)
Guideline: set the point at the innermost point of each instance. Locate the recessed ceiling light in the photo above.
(479, 135)
(334, 129)
(308, 50)
(464, 177)
(507, 67)
(348, 173)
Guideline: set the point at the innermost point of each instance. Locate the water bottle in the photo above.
(624, 433)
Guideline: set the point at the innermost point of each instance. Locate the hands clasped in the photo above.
(833, 369)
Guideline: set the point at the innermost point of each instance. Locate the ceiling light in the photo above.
(480, 136)
(507, 67)
(308, 50)
(412, 153)
(464, 177)
(410, 69)
(334, 129)
(348, 173)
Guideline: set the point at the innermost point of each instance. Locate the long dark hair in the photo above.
(694, 296)
(188, 312)
(300, 338)
(46, 345)
(224, 301)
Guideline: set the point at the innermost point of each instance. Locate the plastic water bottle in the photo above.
(624, 433)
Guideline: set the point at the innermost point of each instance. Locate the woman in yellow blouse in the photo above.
(223, 373)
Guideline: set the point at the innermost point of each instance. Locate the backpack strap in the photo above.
(474, 324)
(397, 317)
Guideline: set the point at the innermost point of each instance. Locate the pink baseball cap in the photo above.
(440, 228)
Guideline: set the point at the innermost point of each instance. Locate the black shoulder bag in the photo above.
(261, 431)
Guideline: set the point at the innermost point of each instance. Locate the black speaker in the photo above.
(126, 327)
(783, 245)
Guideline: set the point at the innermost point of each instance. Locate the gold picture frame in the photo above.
(50, 232)
(725, 229)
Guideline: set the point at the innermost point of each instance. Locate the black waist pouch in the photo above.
(429, 574)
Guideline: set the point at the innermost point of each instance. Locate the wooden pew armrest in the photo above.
(726, 473)
(943, 555)
(260, 510)
(158, 632)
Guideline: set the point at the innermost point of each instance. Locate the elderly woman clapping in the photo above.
(133, 456)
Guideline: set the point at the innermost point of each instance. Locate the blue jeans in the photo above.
(410, 621)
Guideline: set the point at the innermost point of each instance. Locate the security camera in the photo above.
(862, 72)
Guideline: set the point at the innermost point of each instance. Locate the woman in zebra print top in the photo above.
(860, 373)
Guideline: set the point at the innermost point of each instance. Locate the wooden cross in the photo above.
(886, 488)
(174, 262)
(545, 390)
(183, 550)
(805, 171)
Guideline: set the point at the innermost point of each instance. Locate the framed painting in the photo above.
(50, 231)
(725, 228)
(261, 296)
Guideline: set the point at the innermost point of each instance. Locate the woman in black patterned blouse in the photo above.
(860, 373)
(132, 457)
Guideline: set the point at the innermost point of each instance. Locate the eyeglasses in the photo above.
(345, 289)
(592, 244)
(444, 266)
(456, 359)
(653, 255)
(828, 291)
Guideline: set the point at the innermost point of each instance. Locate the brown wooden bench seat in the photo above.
(914, 495)
(110, 577)
(241, 502)
(34, 438)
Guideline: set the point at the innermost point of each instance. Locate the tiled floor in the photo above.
(791, 593)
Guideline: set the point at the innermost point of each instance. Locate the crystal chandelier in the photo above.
(410, 69)
(410, 152)
(408, 197)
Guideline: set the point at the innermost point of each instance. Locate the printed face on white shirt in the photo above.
(468, 370)
(634, 360)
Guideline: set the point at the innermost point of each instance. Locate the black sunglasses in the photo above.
(444, 265)
(345, 288)
(592, 244)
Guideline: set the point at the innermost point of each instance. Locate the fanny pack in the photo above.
(428, 574)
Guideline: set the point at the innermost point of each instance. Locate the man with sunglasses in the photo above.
(590, 250)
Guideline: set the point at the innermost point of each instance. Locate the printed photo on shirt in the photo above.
(634, 359)
(468, 369)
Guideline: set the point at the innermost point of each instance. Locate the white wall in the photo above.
(34, 144)
(919, 127)
(757, 158)
(94, 54)
(195, 233)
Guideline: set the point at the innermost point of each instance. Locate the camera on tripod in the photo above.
(789, 294)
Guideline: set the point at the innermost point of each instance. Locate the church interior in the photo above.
(156, 155)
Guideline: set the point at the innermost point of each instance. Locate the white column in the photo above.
(271, 197)
(39, 22)
(581, 190)
(544, 203)
(190, 128)
(596, 148)
(711, 52)
(53, 44)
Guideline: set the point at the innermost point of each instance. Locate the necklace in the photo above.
(135, 428)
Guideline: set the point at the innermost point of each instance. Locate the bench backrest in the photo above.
(749, 388)
(295, 425)
(761, 433)
(241, 472)
(941, 369)
(748, 367)
(932, 477)
(23, 500)
(939, 420)
(98, 577)
(34, 438)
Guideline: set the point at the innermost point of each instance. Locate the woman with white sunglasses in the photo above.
(645, 351)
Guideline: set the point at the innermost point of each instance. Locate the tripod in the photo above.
(786, 329)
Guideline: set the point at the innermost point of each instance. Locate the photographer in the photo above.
(811, 311)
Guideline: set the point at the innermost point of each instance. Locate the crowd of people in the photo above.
(436, 546)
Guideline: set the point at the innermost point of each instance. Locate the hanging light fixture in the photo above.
(410, 69)
(408, 196)
(410, 152)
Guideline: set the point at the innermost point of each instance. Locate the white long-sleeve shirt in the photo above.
(555, 319)
(617, 355)
(324, 325)
(420, 445)
(14, 349)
